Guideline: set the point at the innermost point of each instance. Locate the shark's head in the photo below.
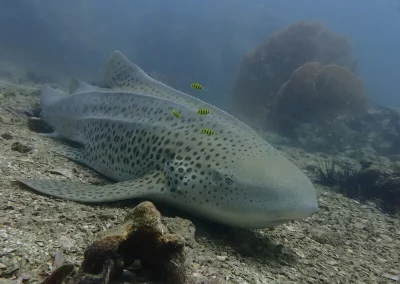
(250, 186)
(271, 190)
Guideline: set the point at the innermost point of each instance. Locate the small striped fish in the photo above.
(203, 111)
(176, 113)
(208, 131)
(197, 86)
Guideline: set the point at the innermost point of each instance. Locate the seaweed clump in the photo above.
(337, 173)
(372, 181)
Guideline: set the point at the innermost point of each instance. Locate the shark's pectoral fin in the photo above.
(152, 185)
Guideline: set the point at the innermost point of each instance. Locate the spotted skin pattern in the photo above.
(126, 132)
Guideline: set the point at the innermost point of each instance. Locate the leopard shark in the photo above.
(127, 130)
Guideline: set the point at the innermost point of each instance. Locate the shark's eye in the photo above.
(228, 181)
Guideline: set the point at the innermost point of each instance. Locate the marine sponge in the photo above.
(269, 66)
(316, 93)
(142, 237)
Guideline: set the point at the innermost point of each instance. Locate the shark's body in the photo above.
(127, 132)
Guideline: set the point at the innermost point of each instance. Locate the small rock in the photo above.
(38, 125)
(58, 259)
(64, 172)
(16, 146)
(391, 277)
(25, 277)
(326, 236)
(66, 242)
(222, 257)
(10, 94)
(10, 270)
(7, 251)
(3, 266)
(11, 120)
(6, 136)
(332, 262)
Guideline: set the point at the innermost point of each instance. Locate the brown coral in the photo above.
(316, 93)
(297, 96)
(268, 67)
(339, 91)
(142, 237)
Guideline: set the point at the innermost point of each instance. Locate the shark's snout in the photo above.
(293, 193)
(295, 206)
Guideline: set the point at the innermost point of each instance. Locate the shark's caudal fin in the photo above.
(146, 186)
(49, 96)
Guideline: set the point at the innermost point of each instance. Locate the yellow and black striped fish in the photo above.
(176, 113)
(197, 86)
(203, 111)
(208, 131)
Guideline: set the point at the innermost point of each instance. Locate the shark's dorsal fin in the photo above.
(125, 75)
(78, 86)
(122, 73)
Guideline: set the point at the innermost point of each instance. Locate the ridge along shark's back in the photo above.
(123, 74)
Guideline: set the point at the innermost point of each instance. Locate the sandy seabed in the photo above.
(344, 242)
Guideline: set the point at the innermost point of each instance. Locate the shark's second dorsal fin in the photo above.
(48, 96)
(78, 86)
